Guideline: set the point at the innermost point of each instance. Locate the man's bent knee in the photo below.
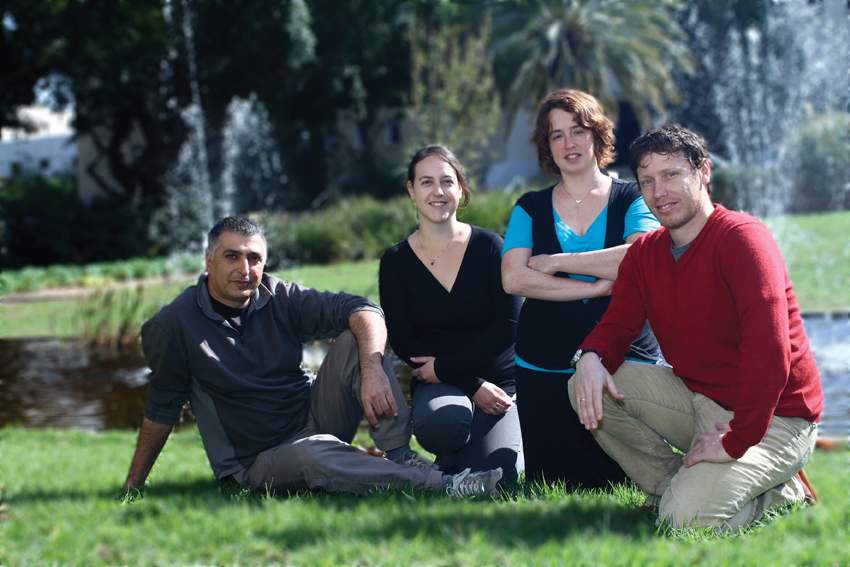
(344, 344)
(678, 513)
(698, 507)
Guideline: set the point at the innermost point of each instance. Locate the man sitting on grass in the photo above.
(231, 345)
(743, 395)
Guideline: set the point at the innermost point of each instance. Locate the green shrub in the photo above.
(740, 187)
(375, 225)
(45, 223)
(362, 227)
(814, 175)
(187, 263)
(29, 279)
(62, 275)
(490, 210)
(98, 274)
(7, 283)
(36, 212)
(818, 163)
(321, 238)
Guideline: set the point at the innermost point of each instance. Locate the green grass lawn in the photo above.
(58, 506)
(817, 251)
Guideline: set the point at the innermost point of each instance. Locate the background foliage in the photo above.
(327, 99)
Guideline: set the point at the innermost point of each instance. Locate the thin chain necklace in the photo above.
(432, 260)
(578, 202)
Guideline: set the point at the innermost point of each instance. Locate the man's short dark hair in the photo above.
(237, 225)
(669, 139)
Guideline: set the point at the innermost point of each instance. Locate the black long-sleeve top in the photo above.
(470, 330)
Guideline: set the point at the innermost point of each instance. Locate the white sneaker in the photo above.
(467, 484)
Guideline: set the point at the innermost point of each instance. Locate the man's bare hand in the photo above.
(492, 399)
(152, 437)
(709, 447)
(592, 380)
(376, 394)
(130, 494)
(426, 372)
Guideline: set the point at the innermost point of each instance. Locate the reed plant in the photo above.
(110, 320)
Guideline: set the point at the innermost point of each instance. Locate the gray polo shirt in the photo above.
(247, 389)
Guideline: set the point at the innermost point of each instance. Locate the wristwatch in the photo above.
(579, 353)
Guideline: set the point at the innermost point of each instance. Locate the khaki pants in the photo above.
(320, 456)
(659, 412)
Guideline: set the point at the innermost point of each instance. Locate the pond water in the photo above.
(59, 383)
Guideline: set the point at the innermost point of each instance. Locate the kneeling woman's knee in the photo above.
(443, 430)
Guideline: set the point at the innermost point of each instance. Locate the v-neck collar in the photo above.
(557, 216)
(459, 267)
(708, 226)
(562, 222)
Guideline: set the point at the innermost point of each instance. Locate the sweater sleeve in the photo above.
(625, 317)
(753, 269)
(170, 385)
(323, 314)
(391, 291)
(464, 367)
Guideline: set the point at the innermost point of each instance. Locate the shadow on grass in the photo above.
(518, 518)
(185, 489)
(531, 524)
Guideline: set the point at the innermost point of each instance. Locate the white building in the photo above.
(50, 149)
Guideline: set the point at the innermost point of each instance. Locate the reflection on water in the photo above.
(830, 339)
(49, 382)
(62, 383)
(59, 383)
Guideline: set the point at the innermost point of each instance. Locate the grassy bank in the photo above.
(71, 317)
(816, 249)
(58, 506)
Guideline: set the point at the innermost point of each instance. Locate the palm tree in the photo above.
(618, 50)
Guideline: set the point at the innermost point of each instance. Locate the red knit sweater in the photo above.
(726, 318)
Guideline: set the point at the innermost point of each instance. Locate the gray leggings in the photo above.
(447, 423)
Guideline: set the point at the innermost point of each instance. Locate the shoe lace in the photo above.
(466, 483)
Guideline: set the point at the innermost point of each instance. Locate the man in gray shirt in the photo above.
(231, 346)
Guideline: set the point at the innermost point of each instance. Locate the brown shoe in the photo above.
(808, 489)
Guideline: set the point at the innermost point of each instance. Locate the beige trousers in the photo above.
(659, 413)
(320, 456)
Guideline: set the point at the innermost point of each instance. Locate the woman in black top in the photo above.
(449, 318)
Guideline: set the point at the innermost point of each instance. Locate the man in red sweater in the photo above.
(743, 396)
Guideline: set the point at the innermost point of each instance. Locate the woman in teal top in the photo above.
(562, 250)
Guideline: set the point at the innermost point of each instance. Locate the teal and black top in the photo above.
(549, 332)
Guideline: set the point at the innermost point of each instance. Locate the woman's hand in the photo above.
(543, 263)
(602, 287)
(425, 372)
(491, 399)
